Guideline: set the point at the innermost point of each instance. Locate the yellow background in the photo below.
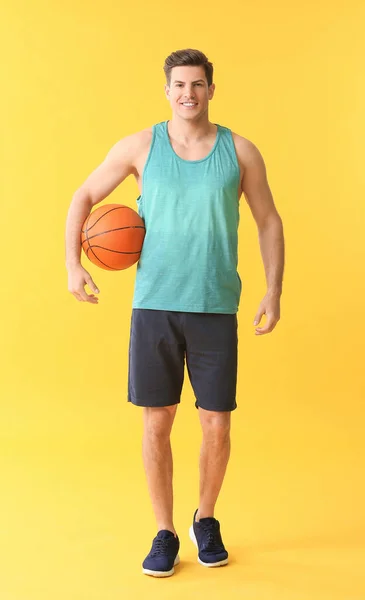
(75, 519)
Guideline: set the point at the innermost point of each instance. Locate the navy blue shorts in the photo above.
(161, 341)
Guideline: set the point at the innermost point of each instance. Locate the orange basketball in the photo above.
(112, 237)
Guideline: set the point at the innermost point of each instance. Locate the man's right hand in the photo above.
(78, 277)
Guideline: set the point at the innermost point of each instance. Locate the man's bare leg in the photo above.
(158, 462)
(214, 457)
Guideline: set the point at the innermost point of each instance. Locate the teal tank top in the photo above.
(191, 212)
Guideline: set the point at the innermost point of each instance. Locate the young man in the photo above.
(191, 174)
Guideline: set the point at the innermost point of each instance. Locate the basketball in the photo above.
(112, 237)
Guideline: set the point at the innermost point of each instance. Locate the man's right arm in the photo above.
(117, 165)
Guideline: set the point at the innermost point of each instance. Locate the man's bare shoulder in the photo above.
(247, 152)
(142, 137)
(135, 142)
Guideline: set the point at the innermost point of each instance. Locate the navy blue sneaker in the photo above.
(163, 555)
(207, 537)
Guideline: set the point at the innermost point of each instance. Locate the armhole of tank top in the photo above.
(234, 154)
(148, 156)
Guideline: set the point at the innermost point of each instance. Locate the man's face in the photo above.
(188, 92)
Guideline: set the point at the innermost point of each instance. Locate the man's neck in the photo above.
(186, 131)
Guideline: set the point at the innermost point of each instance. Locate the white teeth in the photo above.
(188, 104)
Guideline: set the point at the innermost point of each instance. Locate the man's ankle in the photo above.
(201, 514)
(165, 527)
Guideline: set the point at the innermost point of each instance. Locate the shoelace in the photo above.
(160, 546)
(211, 532)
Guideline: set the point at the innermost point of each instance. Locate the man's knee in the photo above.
(158, 421)
(216, 424)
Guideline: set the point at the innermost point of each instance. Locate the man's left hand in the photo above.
(270, 306)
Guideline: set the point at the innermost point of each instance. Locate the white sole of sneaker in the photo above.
(217, 564)
(162, 573)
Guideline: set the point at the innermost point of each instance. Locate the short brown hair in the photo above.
(188, 57)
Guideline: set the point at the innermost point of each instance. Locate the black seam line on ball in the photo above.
(111, 230)
(110, 250)
(103, 263)
(106, 213)
(89, 248)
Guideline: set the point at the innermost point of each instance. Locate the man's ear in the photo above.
(211, 91)
(167, 91)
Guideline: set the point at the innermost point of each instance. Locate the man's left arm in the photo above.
(258, 195)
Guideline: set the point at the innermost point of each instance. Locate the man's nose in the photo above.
(189, 92)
